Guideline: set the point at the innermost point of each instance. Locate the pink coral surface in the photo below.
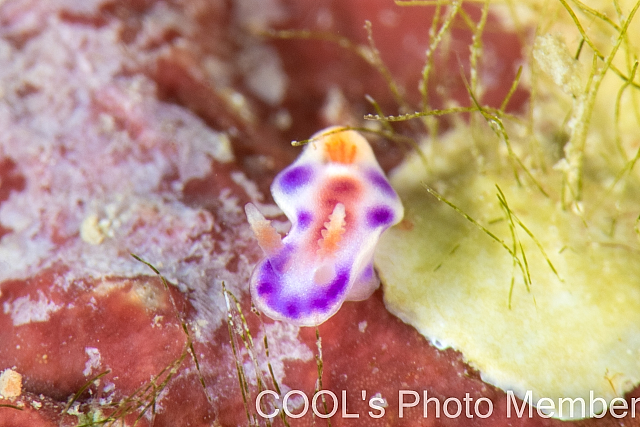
(143, 127)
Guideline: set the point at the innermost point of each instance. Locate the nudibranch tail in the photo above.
(339, 202)
(268, 238)
(333, 231)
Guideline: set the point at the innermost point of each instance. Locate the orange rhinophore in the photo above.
(268, 238)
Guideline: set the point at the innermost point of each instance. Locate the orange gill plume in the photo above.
(334, 229)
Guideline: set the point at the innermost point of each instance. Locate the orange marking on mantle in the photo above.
(340, 148)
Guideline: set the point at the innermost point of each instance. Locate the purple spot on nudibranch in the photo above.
(294, 178)
(338, 285)
(265, 288)
(304, 219)
(279, 262)
(267, 273)
(379, 215)
(380, 181)
(267, 280)
(319, 304)
(291, 309)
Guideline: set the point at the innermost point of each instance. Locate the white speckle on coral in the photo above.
(282, 119)
(335, 107)
(269, 210)
(284, 345)
(248, 186)
(24, 310)
(90, 230)
(264, 73)
(259, 15)
(157, 319)
(93, 362)
(362, 326)
(109, 395)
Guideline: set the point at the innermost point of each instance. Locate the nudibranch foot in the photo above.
(368, 281)
(339, 202)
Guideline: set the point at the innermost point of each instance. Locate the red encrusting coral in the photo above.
(98, 326)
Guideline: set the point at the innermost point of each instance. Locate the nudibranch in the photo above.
(339, 202)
